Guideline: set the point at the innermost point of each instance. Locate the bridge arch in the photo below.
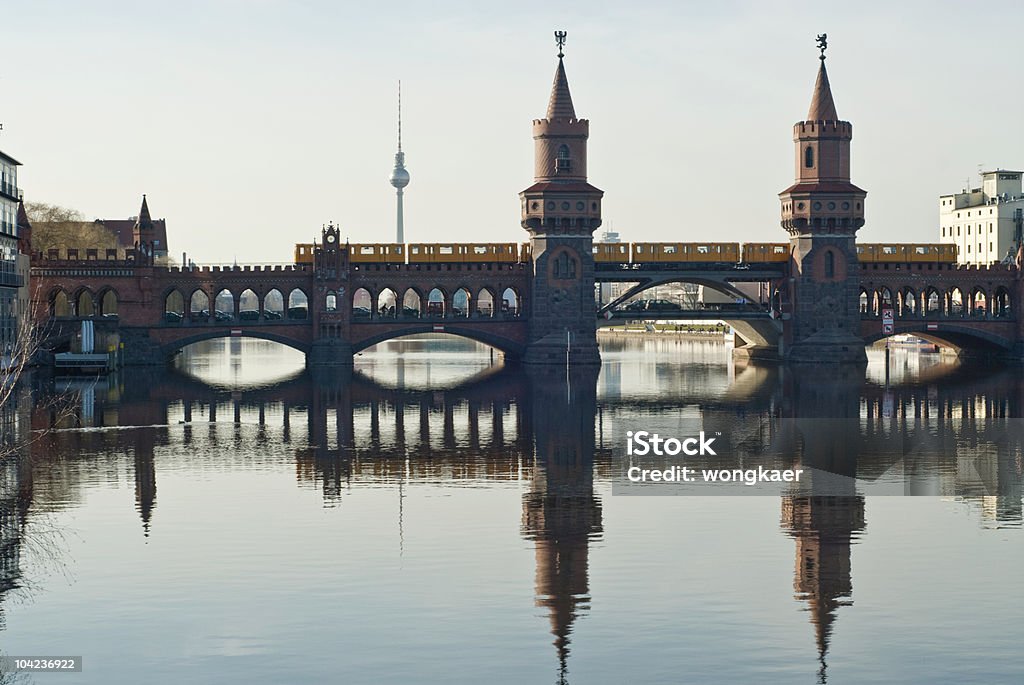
(484, 302)
(412, 303)
(60, 303)
(387, 303)
(273, 304)
(438, 303)
(511, 348)
(108, 301)
(85, 303)
(1001, 303)
(957, 336)
(202, 334)
(462, 302)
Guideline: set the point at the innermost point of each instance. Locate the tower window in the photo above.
(830, 264)
(563, 162)
(565, 266)
(809, 157)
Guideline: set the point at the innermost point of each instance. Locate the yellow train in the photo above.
(935, 253)
(425, 253)
(626, 253)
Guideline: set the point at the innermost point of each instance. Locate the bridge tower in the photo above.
(822, 212)
(142, 235)
(330, 303)
(561, 211)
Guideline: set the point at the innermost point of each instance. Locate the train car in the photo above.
(376, 253)
(935, 253)
(890, 253)
(487, 252)
(525, 252)
(303, 254)
(614, 253)
(755, 253)
(428, 253)
(686, 252)
(866, 252)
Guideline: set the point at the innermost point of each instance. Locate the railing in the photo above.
(11, 280)
(10, 191)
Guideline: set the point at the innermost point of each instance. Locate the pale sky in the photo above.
(250, 123)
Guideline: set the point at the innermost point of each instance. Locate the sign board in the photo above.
(608, 315)
(236, 331)
(933, 327)
(439, 328)
(886, 316)
(887, 329)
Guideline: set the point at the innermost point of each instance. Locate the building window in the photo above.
(958, 231)
(809, 157)
(830, 264)
(563, 161)
(565, 266)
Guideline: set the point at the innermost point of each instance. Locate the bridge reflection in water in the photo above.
(558, 435)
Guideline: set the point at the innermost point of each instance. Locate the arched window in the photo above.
(830, 264)
(563, 162)
(809, 157)
(565, 266)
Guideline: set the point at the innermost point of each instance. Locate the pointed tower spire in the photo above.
(144, 221)
(823, 107)
(24, 230)
(560, 104)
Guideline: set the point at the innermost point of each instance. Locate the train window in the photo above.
(888, 249)
(780, 249)
(921, 250)
(414, 249)
(703, 249)
(444, 249)
(398, 249)
(669, 249)
(479, 249)
(366, 249)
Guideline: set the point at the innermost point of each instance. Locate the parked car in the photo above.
(411, 312)
(223, 316)
(249, 315)
(173, 317)
(360, 312)
(297, 312)
(201, 316)
(271, 315)
(662, 306)
(635, 306)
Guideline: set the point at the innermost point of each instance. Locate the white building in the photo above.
(984, 222)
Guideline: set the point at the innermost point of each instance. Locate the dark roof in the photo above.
(573, 187)
(124, 229)
(826, 187)
(10, 159)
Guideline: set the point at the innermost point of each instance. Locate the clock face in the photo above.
(330, 238)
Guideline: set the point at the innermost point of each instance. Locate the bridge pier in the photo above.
(329, 352)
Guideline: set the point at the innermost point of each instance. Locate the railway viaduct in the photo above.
(822, 304)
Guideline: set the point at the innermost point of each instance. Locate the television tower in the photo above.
(399, 176)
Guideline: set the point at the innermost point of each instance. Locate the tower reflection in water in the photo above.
(345, 431)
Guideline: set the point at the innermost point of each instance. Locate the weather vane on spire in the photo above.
(560, 40)
(822, 45)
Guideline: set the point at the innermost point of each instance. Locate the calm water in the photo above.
(436, 518)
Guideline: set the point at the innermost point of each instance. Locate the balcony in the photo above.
(11, 280)
(10, 191)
